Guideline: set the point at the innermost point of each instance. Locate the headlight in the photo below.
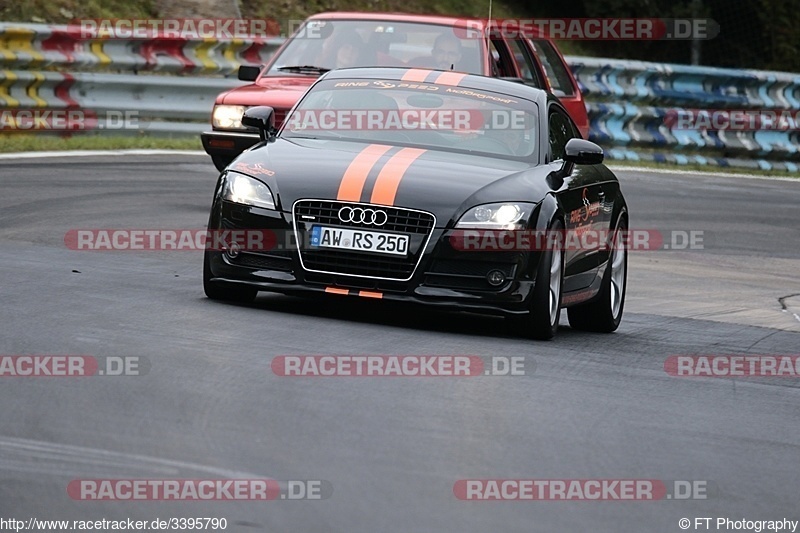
(228, 117)
(243, 190)
(497, 216)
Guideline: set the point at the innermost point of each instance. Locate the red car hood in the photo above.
(278, 92)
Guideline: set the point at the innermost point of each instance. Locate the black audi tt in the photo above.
(425, 186)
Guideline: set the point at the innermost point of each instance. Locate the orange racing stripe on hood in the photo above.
(391, 174)
(356, 174)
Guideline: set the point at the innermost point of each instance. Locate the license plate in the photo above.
(359, 240)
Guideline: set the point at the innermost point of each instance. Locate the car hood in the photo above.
(278, 92)
(443, 183)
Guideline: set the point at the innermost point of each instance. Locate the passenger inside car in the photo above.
(445, 55)
(346, 50)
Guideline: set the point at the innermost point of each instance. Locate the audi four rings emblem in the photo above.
(358, 215)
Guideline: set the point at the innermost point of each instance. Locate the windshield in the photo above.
(426, 115)
(370, 43)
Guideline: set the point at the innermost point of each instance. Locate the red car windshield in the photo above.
(336, 44)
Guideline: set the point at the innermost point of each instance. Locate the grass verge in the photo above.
(31, 143)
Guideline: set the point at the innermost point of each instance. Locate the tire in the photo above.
(226, 292)
(604, 314)
(541, 321)
(221, 162)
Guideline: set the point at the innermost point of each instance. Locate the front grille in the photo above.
(357, 264)
(416, 224)
(400, 220)
(349, 282)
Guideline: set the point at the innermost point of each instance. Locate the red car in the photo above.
(340, 40)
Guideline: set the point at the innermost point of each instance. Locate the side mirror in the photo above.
(582, 152)
(248, 72)
(263, 119)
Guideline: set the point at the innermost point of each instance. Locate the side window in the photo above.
(525, 63)
(556, 72)
(500, 59)
(561, 131)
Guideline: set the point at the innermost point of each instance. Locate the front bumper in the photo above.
(444, 277)
(227, 144)
(510, 301)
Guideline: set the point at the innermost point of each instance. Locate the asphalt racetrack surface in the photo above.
(391, 450)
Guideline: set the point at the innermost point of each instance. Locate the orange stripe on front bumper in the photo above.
(415, 74)
(334, 290)
(391, 174)
(450, 78)
(356, 174)
(370, 294)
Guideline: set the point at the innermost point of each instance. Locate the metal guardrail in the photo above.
(172, 83)
(63, 47)
(631, 105)
(161, 105)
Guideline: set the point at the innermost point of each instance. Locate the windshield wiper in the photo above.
(304, 69)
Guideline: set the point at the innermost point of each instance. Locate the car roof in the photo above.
(392, 17)
(468, 81)
(475, 23)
